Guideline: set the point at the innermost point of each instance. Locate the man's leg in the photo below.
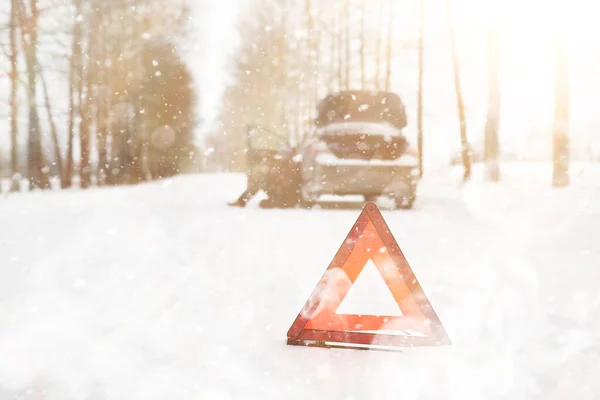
(284, 193)
(245, 197)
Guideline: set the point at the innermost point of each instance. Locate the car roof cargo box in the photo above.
(362, 106)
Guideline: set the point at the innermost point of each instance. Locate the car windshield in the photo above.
(362, 106)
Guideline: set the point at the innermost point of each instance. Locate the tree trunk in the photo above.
(560, 136)
(339, 46)
(316, 36)
(139, 138)
(311, 92)
(102, 118)
(347, 81)
(102, 100)
(282, 81)
(388, 74)
(332, 58)
(491, 155)
(465, 148)
(84, 158)
(53, 133)
(420, 86)
(37, 172)
(85, 169)
(378, 46)
(75, 77)
(363, 41)
(14, 106)
(102, 126)
(128, 149)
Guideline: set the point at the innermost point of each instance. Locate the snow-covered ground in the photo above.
(162, 291)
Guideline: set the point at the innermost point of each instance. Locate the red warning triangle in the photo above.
(319, 324)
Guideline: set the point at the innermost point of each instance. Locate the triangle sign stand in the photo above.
(319, 325)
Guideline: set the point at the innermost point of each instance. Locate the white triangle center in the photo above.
(369, 295)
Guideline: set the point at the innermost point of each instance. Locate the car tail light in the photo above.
(412, 151)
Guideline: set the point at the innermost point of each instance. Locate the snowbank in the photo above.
(161, 291)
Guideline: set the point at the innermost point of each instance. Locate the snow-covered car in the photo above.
(357, 147)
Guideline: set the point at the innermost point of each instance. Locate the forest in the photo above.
(129, 114)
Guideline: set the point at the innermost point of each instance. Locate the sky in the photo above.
(213, 53)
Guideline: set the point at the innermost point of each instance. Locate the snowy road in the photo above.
(161, 291)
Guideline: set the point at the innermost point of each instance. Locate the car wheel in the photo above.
(371, 198)
(306, 204)
(404, 202)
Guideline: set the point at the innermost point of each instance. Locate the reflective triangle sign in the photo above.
(320, 322)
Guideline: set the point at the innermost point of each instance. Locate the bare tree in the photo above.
(313, 57)
(378, 45)
(491, 150)
(14, 84)
(465, 148)
(363, 41)
(37, 170)
(560, 136)
(317, 38)
(85, 108)
(388, 73)
(332, 73)
(75, 80)
(53, 133)
(420, 85)
(103, 102)
(348, 54)
(339, 24)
